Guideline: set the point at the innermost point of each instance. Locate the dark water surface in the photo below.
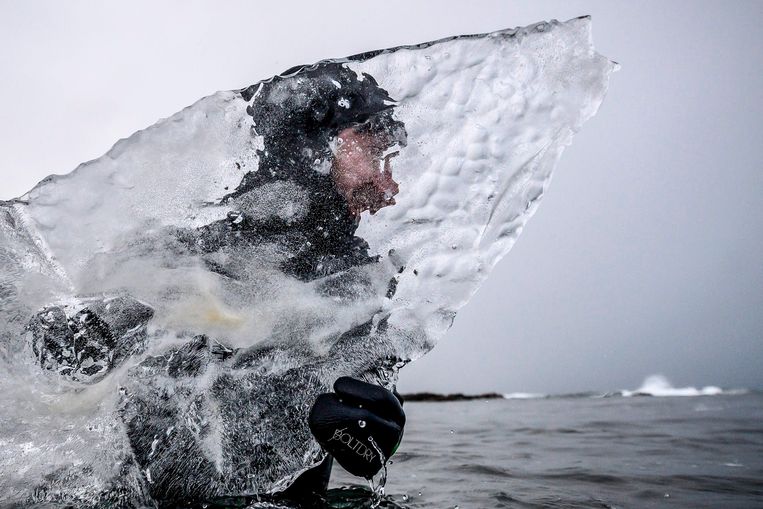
(638, 452)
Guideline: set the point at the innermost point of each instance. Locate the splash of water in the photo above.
(377, 486)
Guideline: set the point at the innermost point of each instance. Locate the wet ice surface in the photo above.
(171, 310)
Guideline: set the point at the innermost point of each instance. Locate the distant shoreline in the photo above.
(431, 396)
(641, 392)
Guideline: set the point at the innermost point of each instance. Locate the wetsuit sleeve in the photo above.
(311, 484)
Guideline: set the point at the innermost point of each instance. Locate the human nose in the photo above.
(389, 183)
(386, 184)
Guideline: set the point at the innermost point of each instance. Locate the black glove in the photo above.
(357, 424)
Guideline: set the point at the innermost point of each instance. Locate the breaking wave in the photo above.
(660, 386)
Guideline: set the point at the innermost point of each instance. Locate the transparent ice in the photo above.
(154, 345)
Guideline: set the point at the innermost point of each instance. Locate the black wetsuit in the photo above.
(296, 131)
(297, 122)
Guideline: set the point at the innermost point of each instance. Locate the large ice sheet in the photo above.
(171, 309)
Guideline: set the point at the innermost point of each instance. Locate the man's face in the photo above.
(362, 173)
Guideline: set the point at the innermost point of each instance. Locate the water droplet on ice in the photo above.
(362, 424)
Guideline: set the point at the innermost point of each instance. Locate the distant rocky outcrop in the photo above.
(431, 396)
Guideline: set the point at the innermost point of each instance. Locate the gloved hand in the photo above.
(358, 424)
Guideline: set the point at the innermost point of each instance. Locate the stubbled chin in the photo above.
(385, 203)
(362, 204)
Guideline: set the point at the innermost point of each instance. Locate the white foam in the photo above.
(523, 395)
(660, 386)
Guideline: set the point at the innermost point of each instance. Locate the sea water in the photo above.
(576, 452)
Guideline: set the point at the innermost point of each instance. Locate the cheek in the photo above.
(344, 175)
(352, 168)
(344, 186)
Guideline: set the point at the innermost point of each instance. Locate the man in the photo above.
(327, 131)
(203, 419)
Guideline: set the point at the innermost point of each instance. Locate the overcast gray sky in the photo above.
(646, 255)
